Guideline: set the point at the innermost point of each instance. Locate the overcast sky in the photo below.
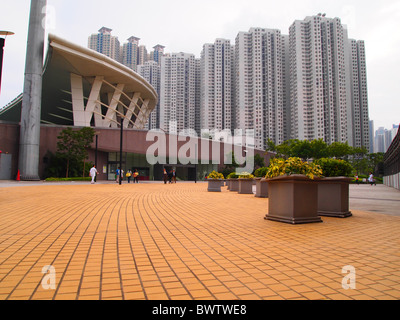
(185, 25)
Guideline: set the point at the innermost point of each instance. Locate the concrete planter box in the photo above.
(261, 188)
(293, 199)
(333, 197)
(234, 185)
(214, 185)
(245, 186)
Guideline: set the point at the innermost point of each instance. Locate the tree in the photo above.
(85, 138)
(339, 150)
(230, 167)
(314, 149)
(72, 145)
(284, 150)
(374, 159)
(258, 161)
(319, 149)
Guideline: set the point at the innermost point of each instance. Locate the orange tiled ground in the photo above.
(156, 241)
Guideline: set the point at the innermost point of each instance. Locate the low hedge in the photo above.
(69, 179)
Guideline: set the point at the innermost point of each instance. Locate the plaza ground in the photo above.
(179, 242)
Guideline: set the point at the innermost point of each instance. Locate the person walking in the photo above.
(135, 176)
(371, 179)
(93, 172)
(117, 175)
(174, 176)
(357, 179)
(170, 176)
(129, 175)
(165, 176)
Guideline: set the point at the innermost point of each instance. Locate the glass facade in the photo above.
(134, 161)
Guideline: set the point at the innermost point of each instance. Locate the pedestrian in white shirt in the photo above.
(93, 173)
(371, 179)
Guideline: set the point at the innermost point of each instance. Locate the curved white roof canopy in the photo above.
(82, 87)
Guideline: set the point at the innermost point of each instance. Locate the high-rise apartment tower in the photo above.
(178, 106)
(105, 43)
(216, 80)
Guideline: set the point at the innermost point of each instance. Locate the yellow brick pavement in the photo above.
(154, 241)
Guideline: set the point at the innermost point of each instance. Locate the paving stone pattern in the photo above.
(179, 242)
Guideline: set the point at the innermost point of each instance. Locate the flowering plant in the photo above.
(246, 175)
(215, 175)
(293, 165)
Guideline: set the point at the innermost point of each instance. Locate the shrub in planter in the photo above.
(233, 175)
(294, 165)
(214, 181)
(246, 175)
(293, 191)
(260, 172)
(245, 183)
(334, 167)
(261, 184)
(333, 189)
(215, 175)
(233, 182)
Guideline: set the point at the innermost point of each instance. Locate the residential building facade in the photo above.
(318, 79)
(359, 95)
(259, 84)
(151, 71)
(216, 75)
(178, 107)
(105, 43)
(130, 53)
(157, 53)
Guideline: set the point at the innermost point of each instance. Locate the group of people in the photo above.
(169, 176)
(371, 179)
(119, 173)
(129, 175)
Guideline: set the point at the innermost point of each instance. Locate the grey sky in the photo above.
(185, 25)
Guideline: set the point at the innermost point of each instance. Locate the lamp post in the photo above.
(195, 164)
(29, 145)
(97, 146)
(2, 43)
(95, 155)
(120, 152)
(95, 152)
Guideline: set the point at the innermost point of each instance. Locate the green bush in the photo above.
(227, 170)
(232, 175)
(246, 175)
(261, 172)
(69, 179)
(334, 167)
(294, 165)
